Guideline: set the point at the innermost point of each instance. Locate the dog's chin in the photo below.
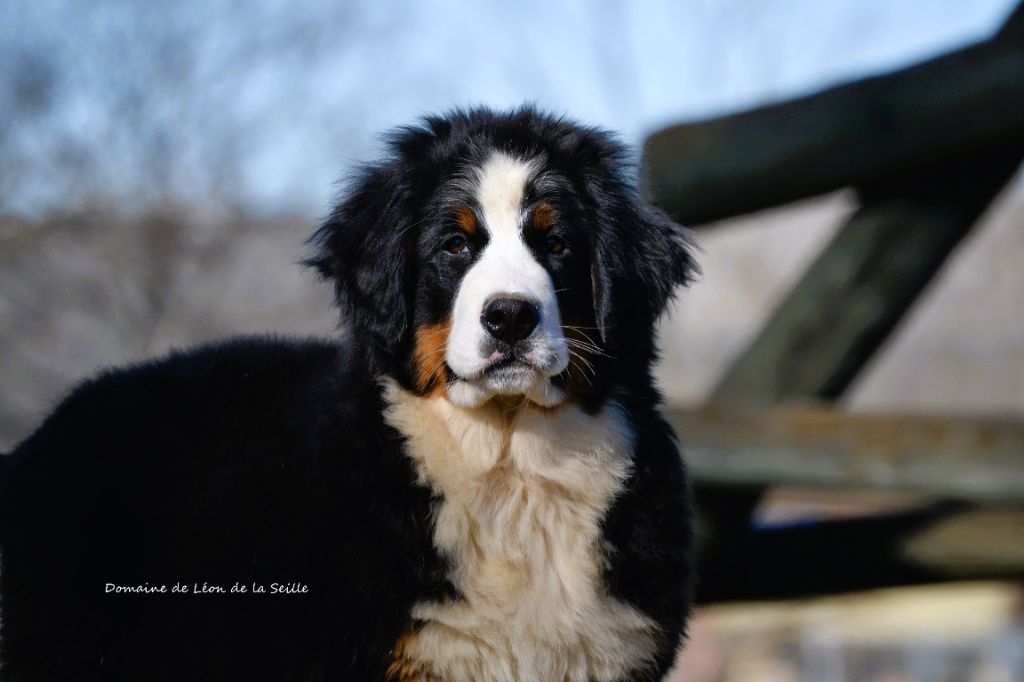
(515, 380)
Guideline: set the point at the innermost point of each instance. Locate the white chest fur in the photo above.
(523, 499)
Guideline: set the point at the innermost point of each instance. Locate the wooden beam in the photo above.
(1013, 27)
(807, 560)
(969, 459)
(940, 543)
(856, 292)
(732, 455)
(867, 132)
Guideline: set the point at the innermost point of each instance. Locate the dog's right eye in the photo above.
(457, 245)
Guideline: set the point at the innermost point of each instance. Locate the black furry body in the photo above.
(251, 462)
(255, 462)
(265, 461)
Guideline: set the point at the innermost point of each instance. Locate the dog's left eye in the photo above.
(457, 245)
(555, 245)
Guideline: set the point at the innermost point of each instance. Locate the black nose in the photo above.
(510, 319)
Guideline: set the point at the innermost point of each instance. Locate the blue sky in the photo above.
(266, 102)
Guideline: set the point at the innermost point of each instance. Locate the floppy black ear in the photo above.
(362, 248)
(639, 257)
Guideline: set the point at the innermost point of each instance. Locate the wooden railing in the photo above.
(926, 148)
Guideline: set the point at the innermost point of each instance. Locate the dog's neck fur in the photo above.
(522, 494)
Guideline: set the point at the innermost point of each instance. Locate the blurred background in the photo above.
(847, 377)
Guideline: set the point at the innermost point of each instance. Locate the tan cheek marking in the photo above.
(543, 216)
(466, 219)
(402, 668)
(428, 356)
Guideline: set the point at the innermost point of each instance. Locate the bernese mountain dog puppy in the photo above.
(473, 484)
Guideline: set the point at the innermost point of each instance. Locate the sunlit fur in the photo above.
(459, 506)
(521, 498)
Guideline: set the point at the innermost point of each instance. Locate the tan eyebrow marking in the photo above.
(466, 219)
(543, 216)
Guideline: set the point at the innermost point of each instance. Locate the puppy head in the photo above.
(502, 255)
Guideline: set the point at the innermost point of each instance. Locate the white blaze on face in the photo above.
(505, 269)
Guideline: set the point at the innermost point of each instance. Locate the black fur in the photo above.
(263, 460)
(257, 461)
